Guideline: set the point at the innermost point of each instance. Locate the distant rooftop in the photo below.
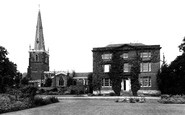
(131, 44)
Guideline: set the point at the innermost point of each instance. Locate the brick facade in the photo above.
(127, 52)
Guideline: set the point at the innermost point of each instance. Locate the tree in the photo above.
(48, 82)
(69, 79)
(17, 79)
(171, 79)
(182, 45)
(90, 82)
(135, 71)
(97, 83)
(163, 79)
(8, 70)
(116, 72)
(24, 81)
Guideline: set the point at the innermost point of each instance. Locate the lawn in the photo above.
(104, 107)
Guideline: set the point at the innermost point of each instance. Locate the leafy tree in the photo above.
(171, 79)
(135, 71)
(163, 79)
(48, 82)
(116, 72)
(69, 79)
(90, 82)
(24, 81)
(97, 83)
(17, 79)
(8, 70)
(182, 45)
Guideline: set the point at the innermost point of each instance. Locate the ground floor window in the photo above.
(106, 82)
(145, 81)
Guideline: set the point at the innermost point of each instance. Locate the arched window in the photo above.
(46, 60)
(61, 82)
(36, 58)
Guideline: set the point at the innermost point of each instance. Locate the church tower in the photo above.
(38, 57)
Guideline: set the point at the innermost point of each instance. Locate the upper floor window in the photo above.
(106, 68)
(145, 81)
(145, 55)
(107, 56)
(106, 82)
(145, 67)
(125, 55)
(126, 67)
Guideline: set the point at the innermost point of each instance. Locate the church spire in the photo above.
(39, 38)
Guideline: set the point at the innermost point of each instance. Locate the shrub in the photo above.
(112, 94)
(176, 99)
(41, 91)
(54, 99)
(8, 103)
(29, 91)
(77, 89)
(38, 101)
(132, 100)
(47, 101)
(54, 89)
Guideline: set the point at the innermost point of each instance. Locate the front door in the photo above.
(125, 84)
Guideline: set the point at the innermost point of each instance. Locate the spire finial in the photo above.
(39, 6)
(29, 47)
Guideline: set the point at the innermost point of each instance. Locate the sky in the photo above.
(72, 28)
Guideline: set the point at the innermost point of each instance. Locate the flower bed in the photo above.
(174, 99)
(10, 103)
(132, 100)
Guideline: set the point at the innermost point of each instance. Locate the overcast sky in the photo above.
(73, 27)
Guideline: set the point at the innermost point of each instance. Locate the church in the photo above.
(38, 57)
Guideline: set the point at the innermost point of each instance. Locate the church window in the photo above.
(61, 82)
(46, 60)
(36, 58)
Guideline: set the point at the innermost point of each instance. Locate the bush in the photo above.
(132, 100)
(38, 101)
(29, 91)
(54, 89)
(54, 99)
(9, 103)
(176, 99)
(77, 89)
(41, 91)
(112, 94)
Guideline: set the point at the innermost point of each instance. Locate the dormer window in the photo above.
(107, 57)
